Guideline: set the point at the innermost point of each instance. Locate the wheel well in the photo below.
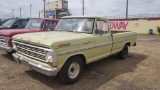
(82, 58)
(129, 44)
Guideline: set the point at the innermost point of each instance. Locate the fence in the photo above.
(138, 16)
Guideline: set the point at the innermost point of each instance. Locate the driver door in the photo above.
(103, 40)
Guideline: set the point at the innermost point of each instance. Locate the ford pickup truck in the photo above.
(75, 42)
(34, 25)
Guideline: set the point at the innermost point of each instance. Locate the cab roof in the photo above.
(46, 19)
(84, 17)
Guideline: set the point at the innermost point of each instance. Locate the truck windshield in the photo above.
(81, 25)
(34, 24)
(9, 23)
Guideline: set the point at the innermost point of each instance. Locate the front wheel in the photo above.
(124, 53)
(71, 71)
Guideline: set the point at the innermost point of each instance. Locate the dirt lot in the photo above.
(141, 71)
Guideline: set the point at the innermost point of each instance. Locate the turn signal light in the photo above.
(61, 45)
(51, 64)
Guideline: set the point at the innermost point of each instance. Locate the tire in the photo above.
(124, 53)
(71, 70)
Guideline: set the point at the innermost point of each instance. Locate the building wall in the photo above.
(57, 5)
(140, 26)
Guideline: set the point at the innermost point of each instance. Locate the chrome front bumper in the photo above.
(5, 48)
(35, 66)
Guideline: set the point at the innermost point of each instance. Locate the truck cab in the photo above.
(34, 25)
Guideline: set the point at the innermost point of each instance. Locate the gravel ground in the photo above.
(140, 71)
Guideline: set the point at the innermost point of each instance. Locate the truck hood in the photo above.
(54, 38)
(12, 32)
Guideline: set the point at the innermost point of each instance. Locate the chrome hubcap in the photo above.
(74, 70)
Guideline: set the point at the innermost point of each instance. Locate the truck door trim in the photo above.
(124, 39)
(86, 48)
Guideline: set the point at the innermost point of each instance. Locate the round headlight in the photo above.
(14, 46)
(49, 57)
(6, 42)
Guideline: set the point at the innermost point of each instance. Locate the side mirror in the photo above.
(99, 31)
(96, 31)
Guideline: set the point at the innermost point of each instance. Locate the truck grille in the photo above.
(3, 41)
(31, 51)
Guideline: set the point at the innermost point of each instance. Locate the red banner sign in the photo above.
(118, 25)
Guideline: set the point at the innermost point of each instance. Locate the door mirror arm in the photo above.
(100, 32)
(96, 31)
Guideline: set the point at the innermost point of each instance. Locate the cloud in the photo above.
(92, 7)
(22, 3)
(8, 5)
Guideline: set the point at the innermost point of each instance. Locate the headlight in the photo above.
(4, 41)
(51, 58)
(7, 42)
(14, 46)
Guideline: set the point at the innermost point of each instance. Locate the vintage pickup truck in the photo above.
(75, 42)
(34, 25)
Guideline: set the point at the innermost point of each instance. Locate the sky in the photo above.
(92, 7)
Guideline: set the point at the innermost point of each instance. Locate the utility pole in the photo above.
(83, 6)
(20, 12)
(62, 4)
(44, 8)
(39, 14)
(30, 10)
(13, 13)
(127, 10)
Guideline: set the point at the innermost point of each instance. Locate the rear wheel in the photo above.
(71, 71)
(124, 53)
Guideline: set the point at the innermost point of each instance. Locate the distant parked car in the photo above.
(3, 21)
(34, 25)
(14, 24)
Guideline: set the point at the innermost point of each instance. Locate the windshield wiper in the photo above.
(64, 30)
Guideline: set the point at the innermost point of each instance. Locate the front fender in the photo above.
(62, 59)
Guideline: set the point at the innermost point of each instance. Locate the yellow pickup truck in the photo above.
(75, 42)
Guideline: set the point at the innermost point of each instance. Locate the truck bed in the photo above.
(122, 37)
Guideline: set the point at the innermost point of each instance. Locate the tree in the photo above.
(158, 29)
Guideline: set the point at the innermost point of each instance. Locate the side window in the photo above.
(50, 25)
(53, 25)
(24, 23)
(47, 25)
(17, 24)
(101, 25)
